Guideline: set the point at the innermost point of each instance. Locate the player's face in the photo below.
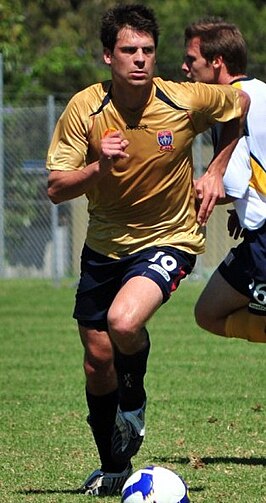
(195, 66)
(133, 58)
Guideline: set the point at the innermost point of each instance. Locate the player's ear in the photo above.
(217, 62)
(107, 56)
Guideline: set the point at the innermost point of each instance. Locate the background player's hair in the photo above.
(137, 16)
(219, 38)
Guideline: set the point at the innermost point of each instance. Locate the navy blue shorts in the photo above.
(102, 277)
(244, 269)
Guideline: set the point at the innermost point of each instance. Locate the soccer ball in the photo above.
(155, 484)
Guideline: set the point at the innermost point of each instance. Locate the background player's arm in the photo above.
(209, 187)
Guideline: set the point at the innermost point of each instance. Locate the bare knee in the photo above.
(201, 315)
(99, 372)
(98, 360)
(125, 332)
(208, 320)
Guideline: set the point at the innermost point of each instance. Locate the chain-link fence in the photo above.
(38, 239)
(36, 235)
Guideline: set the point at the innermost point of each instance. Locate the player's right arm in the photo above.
(72, 183)
(66, 185)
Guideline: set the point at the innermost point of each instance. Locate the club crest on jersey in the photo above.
(109, 131)
(165, 140)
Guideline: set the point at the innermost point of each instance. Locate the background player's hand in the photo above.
(113, 145)
(209, 188)
(233, 225)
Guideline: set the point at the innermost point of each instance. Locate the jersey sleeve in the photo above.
(69, 145)
(206, 104)
(214, 103)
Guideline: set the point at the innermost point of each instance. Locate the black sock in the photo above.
(131, 370)
(101, 418)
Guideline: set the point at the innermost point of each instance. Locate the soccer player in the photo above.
(126, 144)
(233, 303)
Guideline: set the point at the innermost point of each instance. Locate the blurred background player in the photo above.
(127, 145)
(233, 303)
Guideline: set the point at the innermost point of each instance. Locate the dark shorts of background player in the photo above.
(102, 277)
(244, 269)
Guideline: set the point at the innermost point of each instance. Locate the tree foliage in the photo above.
(53, 47)
(13, 39)
(175, 15)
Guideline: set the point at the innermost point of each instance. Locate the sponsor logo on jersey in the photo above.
(137, 127)
(165, 140)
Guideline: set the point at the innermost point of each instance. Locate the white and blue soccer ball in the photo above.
(155, 484)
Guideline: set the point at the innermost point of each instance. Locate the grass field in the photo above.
(206, 402)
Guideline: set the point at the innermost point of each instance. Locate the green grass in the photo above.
(206, 402)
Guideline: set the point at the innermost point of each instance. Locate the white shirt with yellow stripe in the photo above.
(245, 177)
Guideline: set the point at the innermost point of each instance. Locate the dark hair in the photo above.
(219, 38)
(136, 16)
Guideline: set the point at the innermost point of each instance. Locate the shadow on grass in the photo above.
(252, 461)
(27, 492)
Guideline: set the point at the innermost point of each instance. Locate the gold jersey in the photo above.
(148, 198)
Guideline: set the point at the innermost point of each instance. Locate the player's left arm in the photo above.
(209, 187)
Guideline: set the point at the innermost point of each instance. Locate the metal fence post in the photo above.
(2, 238)
(54, 208)
(198, 171)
